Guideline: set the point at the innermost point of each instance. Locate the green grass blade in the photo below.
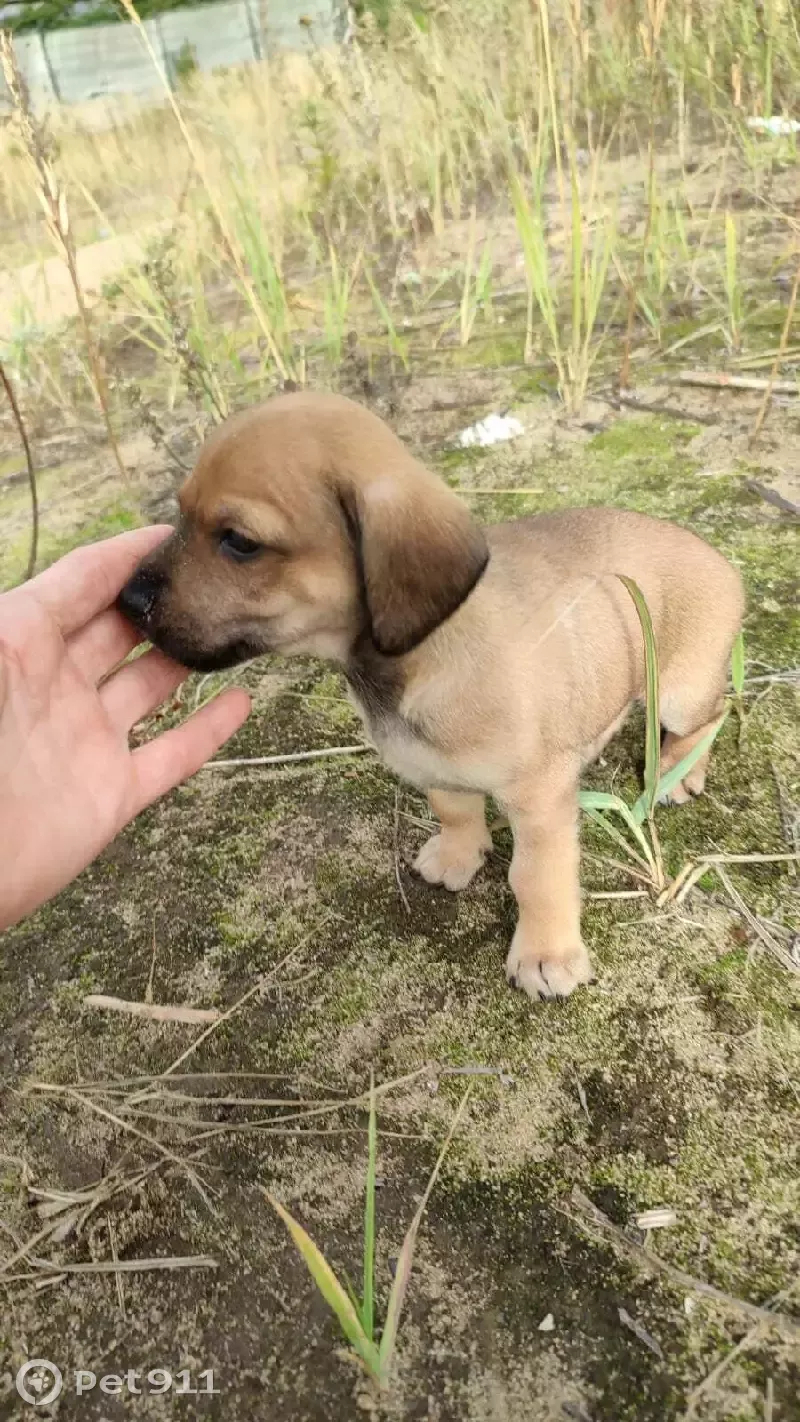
(368, 1297)
(331, 1290)
(613, 833)
(737, 664)
(652, 751)
(396, 343)
(403, 1271)
(596, 804)
(350, 1290)
(676, 774)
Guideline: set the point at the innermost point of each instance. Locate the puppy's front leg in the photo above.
(547, 956)
(455, 855)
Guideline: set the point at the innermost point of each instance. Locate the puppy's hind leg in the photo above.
(455, 855)
(692, 701)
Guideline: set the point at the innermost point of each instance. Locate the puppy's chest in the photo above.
(415, 759)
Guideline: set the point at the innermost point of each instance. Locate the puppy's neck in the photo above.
(377, 682)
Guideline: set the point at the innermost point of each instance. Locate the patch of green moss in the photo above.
(119, 518)
(641, 439)
(489, 350)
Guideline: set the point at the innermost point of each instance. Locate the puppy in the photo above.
(492, 660)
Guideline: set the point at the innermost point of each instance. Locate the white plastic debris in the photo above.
(661, 1218)
(493, 430)
(547, 1324)
(777, 126)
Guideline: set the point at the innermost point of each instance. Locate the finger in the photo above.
(177, 754)
(138, 688)
(87, 581)
(102, 643)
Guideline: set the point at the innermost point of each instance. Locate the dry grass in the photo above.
(272, 183)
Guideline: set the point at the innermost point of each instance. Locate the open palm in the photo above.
(68, 779)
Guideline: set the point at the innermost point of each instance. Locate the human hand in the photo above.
(69, 781)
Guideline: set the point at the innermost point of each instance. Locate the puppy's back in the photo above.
(675, 569)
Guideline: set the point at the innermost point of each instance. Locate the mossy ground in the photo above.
(672, 1082)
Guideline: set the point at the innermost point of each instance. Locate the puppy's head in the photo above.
(304, 527)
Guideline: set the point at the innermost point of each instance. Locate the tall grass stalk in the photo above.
(226, 233)
(578, 287)
(476, 287)
(337, 297)
(5, 381)
(53, 200)
(397, 345)
(733, 289)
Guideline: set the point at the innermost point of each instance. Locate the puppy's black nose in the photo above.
(140, 595)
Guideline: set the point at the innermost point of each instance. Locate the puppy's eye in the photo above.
(237, 546)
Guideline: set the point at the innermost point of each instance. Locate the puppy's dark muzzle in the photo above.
(140, 596)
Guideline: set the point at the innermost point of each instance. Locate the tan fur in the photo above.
(473, 677)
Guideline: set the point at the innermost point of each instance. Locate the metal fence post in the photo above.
(155, 21)
(51, 73)
(252, 30)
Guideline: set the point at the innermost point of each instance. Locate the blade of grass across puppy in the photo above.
(597, 803)
(668, 782)
(403, 1270)
(652, 748)
(331, 1290)
(737, 664)
(737, 679)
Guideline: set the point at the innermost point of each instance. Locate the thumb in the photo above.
(177, 754)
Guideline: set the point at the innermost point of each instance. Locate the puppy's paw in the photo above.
(451, 860)
(678, 795)
(547, 972)
(692, 785)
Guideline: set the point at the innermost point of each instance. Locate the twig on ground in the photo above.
(130, 1266)
(120, 1085)
(691, 417)
(154, 1011)
(616, 894)
(588, 1211)
(771, 496)
(721, 380)
(23, 434)
(288, 759)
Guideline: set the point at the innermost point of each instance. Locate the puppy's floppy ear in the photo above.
(419, 552)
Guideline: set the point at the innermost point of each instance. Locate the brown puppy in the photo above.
(484, 661)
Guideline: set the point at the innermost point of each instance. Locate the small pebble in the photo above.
(547, 1324)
